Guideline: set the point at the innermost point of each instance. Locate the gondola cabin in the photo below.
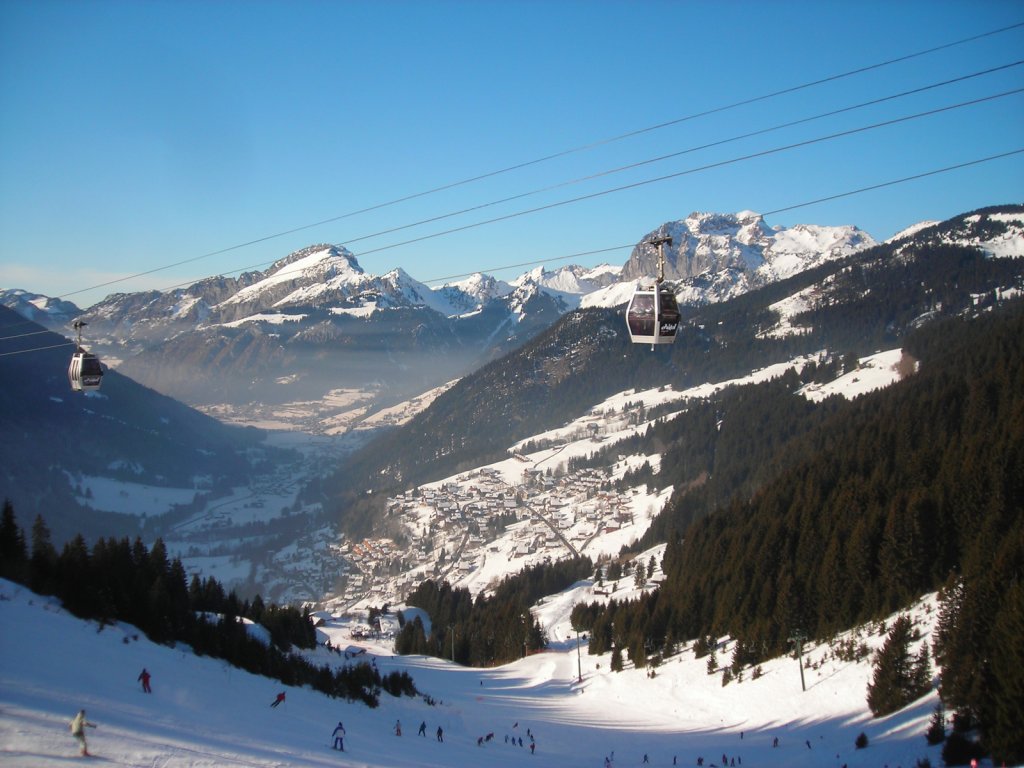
(85, 372)
(652, 316)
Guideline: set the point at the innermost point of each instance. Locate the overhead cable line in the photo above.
(563, 153)
(880, 185)
(634, 185)
(690, 150)
(709, 166)
(883, 184)
(22, 335)
(537, 262)
(39, 349)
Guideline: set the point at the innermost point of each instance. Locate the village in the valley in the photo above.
(474, 528)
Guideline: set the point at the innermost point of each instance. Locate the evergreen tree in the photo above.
(13, 556)
(640, 577)
(43, 560)
(936, 732)
(897, 680)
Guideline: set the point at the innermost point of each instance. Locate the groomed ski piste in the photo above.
(204, 713)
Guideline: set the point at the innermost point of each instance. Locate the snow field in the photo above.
(204, 713)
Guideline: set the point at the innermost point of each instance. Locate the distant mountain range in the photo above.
(315, 322)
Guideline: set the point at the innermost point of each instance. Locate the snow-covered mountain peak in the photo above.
(301, 276)
(570, 279)
(715, 256)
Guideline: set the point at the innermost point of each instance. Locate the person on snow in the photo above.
(339, 737)
(440, 734)
(398, 727)
(278, 699)
(78, 726)
(423, 729)
(144, 677)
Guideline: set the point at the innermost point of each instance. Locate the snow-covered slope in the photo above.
(203, 713)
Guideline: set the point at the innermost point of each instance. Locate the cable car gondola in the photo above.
(652, 316)
(85, 372)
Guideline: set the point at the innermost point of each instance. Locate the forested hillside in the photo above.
(898, 493)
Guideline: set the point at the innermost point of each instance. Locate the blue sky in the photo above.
(136, 135)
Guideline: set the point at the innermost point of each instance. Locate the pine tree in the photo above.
(43, 560)
(936, 732)
(13, 556)
(897, 680)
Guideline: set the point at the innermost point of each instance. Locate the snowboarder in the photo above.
(423, 729)
(398, 727)
(440, 734)
(78, 726)
(278, 699)
(339, 737)
(144, 677)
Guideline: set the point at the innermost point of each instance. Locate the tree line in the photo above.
(122, 581)
(489, 630)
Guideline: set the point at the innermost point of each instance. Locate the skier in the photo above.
(144, 677)
(423, 729)
(279, 698)
(440, 734)
(339, 737)
(78, 726)
(398, 727)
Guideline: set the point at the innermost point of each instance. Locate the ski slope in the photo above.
(203, 713)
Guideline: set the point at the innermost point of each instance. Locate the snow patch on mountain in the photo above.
(467, 296)
(912, 230)
(873, 372)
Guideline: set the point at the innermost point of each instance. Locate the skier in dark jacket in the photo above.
(339, 737)
(144, 677)
(440, 734)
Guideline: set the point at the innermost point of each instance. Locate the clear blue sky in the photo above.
(134, 135)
